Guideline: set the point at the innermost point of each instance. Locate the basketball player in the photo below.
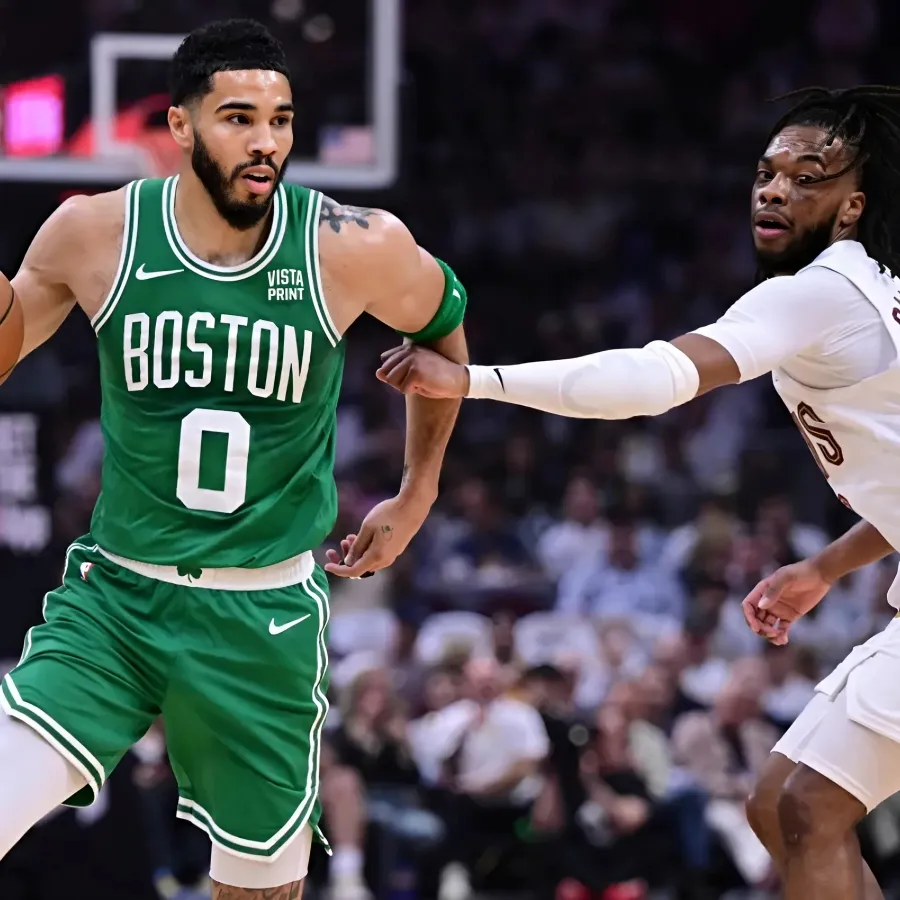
(220, 299)
(826, 321)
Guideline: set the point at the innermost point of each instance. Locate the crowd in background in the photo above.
(554, 689)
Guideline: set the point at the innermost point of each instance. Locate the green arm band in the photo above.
(450, 313)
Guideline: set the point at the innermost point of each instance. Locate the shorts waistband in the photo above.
(283, 574)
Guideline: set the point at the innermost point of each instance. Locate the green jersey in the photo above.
(220, 387)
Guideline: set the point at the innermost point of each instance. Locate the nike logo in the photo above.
(500, 379)
(277, 629)
(143, 275)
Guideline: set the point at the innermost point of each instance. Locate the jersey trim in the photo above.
(247, 849)
(223, 273)
(311, 233)
(126, 256)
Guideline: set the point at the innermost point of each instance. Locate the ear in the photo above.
(852, 209)
(181, 127)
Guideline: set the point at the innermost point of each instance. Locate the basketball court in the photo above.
(103, 121)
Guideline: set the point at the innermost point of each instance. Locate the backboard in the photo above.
(105, 123)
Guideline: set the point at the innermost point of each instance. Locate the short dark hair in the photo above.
(228, 46)
(867, 120)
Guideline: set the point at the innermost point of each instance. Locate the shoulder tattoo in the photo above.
(335, 215)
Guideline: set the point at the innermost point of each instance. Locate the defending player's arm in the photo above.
(405, 287)
(768, 325)
(792, 591)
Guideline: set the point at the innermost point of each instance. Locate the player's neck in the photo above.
(206, 233)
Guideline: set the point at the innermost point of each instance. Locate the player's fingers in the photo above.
(749, 611)
(396, 376)
(359, 545)
(367, 564)
(344, 571)
(391, 362)
(337, 556)
(775, 585)
(760, 621)
(389, 353)
(770, 624)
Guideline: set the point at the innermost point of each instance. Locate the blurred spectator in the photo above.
(724, 750)
(791, 677)
(619, 584)
(614, 832)
(490, 749)
(488, 553)
(580, 535)
(789, 540)
(342, 794)
(700, 674)
(372, 736)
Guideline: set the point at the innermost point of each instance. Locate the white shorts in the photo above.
(850, 731)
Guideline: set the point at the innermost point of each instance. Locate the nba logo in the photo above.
(85, 568)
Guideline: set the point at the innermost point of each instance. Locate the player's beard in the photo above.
(799, 253)
(241, 215)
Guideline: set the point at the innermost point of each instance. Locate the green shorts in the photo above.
(239, 677)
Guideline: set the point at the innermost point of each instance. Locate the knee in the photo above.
(762, 812)
(796, 816)
(813, 810)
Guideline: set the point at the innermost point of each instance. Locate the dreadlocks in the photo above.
(867, 121)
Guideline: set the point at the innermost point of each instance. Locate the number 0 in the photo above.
(234, 493)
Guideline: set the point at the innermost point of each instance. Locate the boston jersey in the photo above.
(220, 387)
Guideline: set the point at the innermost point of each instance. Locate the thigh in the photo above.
(34, 780)
(85, 681)
(244, 714)
(864, 763)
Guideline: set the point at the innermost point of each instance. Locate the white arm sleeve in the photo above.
(783, 317)
(615, 384)
(767, 327)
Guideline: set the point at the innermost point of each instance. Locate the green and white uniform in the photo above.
(196, 596)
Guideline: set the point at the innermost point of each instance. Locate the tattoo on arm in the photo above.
(405, 473)
(291, 891)
(335, 215)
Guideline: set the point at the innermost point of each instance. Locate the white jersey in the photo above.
(830, 335)
(854, 431)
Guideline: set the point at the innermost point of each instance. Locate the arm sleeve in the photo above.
(783, 317)
(614, 384)
(767, 326)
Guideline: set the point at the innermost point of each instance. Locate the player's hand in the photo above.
(414, 370)
(779, 600)
(383, 536)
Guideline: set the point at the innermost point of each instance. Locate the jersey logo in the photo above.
(285, 285)
(85, 568)
(278, 629)
(143, 275)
